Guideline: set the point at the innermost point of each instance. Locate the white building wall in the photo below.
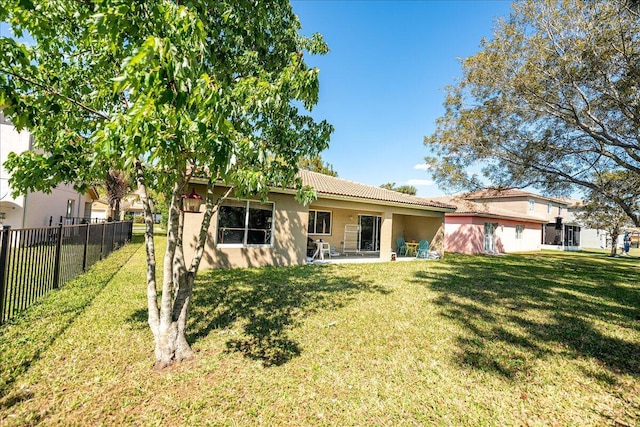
(40, 207)
(592, 239)
(11, 140)
(530, 241)
(34, 209)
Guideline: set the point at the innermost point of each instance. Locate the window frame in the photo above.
(519, 231)
(532, 205)
(315, 222)
(246, 207)
(71, 208)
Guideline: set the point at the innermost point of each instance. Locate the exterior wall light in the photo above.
(191, 202)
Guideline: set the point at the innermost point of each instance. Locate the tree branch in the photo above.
(211, 208)
(56, 93)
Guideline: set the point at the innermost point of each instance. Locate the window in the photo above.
(532, 204)
(559, 210)
(243, 222)
(549, 207)
(319, 222)
(519, 231)
(87, 209)
(70, 205)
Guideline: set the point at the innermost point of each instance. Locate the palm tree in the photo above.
(117, 185)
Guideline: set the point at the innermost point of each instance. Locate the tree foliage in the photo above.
(551, 101)
(406, 189)
(162, 90)
(599, 211)
(316, 164)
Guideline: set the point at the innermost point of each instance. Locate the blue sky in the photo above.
(381, 86)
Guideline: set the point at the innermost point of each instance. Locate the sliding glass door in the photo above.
(490, 236)
(370, 227)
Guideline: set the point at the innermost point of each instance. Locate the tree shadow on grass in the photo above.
(267, 303)
(517, 309)
(25, 338)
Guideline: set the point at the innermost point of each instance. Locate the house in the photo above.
(35, 209)
(476, 228)
(355, 219)
(100, 210)
(490, 221)
(130, 205)
(561, 230)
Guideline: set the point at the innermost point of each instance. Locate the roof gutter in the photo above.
(204, 181)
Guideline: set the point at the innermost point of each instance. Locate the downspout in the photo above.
(24, 211)
(25, 197)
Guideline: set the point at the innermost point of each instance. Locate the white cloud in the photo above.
(420, 182)
(421, 166)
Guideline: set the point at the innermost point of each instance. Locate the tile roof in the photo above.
(491, 193)
(468, 207)
(326, 185)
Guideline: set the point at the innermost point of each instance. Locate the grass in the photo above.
(533, 339)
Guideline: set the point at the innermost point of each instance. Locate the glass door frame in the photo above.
(490, 236)
(375, 237)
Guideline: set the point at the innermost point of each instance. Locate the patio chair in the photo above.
(322, 248)
(402, 246)
(423, 249)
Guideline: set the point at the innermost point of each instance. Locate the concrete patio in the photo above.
(360, 259)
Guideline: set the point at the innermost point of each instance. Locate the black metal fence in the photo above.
(33, 261)
(73, 220)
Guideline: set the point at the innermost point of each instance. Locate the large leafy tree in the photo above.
(162, 90)
(551, 101)
(599, 210)
(406, 189)
(317, 164)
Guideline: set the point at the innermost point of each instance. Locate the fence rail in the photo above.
(73, 220)
(33, 261)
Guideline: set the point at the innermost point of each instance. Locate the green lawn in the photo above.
(533, 339)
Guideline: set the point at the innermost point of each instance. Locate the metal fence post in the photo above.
(104, 226)
(58, 254)
(113, 237)
(86, 246)
(4, 255)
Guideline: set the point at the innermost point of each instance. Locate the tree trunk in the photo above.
(116, 210)
(615, 233)
(172, 345)
(152, 293)
(168, 322)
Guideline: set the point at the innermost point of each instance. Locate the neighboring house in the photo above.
(353, 218)
(100, 210)
(476, 228)
(490, 221)
(130, 205)
(35, 209)
(560, 231)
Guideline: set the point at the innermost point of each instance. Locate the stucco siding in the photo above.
(530, 240)
(593, 239)
(35, 209)
(465, 234)
(289, 238)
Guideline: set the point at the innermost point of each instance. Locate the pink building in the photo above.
(476, 228)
